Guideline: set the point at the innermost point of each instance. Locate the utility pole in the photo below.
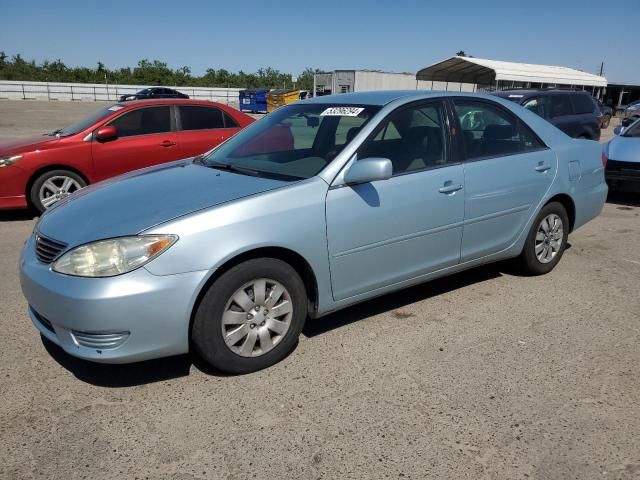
(601, 72)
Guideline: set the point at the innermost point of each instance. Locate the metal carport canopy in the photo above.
(480, 70)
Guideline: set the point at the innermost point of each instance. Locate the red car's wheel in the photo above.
(53, 186)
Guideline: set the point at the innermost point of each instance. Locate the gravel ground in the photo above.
(483, 375)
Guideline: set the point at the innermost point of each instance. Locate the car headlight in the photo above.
(6, 161)
(106, 258)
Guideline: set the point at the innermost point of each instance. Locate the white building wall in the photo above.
(365, 81)
(368, 81)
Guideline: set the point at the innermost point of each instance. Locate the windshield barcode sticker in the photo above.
(342, 112)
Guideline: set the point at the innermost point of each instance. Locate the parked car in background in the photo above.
(153, 92)
(623, 151)
(632, 111)
(320, 205)
(607, 113)
(40, 171)
(575, 112)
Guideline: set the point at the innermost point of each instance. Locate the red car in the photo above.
(38, 172)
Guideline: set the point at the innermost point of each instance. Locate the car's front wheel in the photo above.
(546, 240)
(251, 316)
(53, 186)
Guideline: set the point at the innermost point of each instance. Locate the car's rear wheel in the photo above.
(250, 317)
(53, 186)
(546, 240)
(605, 121)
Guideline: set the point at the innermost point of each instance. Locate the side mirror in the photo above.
(369, 170)
(618, 130)
(108, 132)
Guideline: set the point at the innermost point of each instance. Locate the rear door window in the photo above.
(229, 122)
(582, 103)
(200, 118)
(560, 105)
(489, 131)
(143, 121)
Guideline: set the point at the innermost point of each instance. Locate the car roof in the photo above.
(384, 97)
(167, 101)
(378, 97)
(527, 92)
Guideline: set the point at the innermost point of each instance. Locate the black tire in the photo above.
(34, 192)
(529, 263)
(605, 122)
(206, 332)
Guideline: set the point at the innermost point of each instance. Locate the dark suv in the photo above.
(575, 112)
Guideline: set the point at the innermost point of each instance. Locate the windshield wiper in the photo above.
(232, 168)
(55, 133)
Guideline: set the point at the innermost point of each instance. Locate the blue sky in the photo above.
(398, 35)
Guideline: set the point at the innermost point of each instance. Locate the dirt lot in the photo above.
(484, 375)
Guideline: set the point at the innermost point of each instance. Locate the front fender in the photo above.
(291, 218)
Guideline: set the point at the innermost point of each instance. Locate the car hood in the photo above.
(624, 149)
(13, 147)
(137, 201)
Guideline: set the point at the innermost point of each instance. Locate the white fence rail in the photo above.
(91, 92)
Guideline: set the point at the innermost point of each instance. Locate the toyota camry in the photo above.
(320, 205)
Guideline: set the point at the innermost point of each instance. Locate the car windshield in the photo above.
(86, 122)
(295, 141)
(632, 130)
(144, 91)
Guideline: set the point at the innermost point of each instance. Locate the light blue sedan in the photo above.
(623, 151)
(320, 205)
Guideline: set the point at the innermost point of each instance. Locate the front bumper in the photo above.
(13, 183)
(132, 317)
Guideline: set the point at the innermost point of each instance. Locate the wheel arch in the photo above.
(48, 168)
(294, 259)
(569, 205)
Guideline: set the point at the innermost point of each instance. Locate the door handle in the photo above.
(543, 167)
(450, 188)
(167, 143)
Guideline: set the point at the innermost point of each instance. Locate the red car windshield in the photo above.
(86, 122)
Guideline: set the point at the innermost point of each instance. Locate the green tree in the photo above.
(148, 72)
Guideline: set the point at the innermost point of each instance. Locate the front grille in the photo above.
(99, 341)
(630, 168)
(47, 250)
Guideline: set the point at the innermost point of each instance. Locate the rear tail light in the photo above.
(604, 159)
(600, 118)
